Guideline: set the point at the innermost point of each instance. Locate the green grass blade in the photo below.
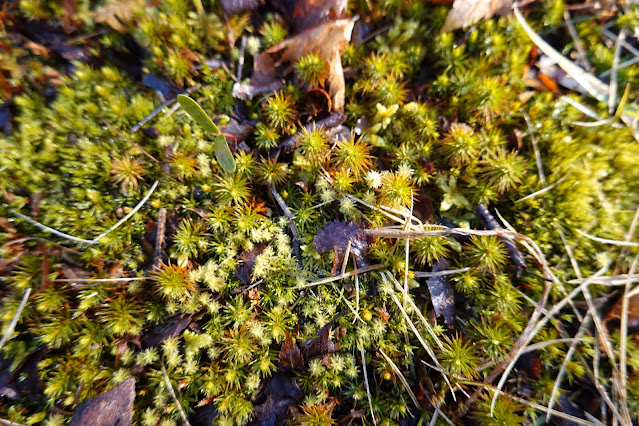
(223, 154)
(197, 113)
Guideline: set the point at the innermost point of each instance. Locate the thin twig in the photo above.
(419, 274)
(99, 280)
(346, 275)
(623, 346)
(608, 241)
(611, 280)
(16, 317)
(541, 191)
(581, 107)
(346, 255)
(401, 378)
(612, 90)
(540, 165)
(291, 224)
(368, 389)
(51, 230)
(128, 216)
(583, 56)
(160, 231)
(174, 396)
(562, 370)
(529, 403)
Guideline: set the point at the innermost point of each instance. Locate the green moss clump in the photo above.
(445, 121)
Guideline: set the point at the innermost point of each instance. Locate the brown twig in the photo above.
(160, 231)
(174, 396)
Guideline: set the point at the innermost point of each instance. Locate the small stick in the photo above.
(117, 132)
(174, 396)
(346, 275)
(541, 191)
(99, 280)
(4, 422)
(419, 274)
(583, 57)
(368, 389)
(16, 317)
(128, 216)
(51, 230)
(346, 255)
(612, 90)
(159, 238)
(291, 224)
(562, 370)
(623, 347)
(540, 166)
(608, 241)
(581, 107)
(401, 378)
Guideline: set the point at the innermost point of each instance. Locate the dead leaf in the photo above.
(335, 236)
(383, 313)
(247, 258)
(327, 40)
(274, 399)
(633, 313)
(118, 13)
(442, 293)
(114, 408)
(291, 360)
(169, 328)
(320, 345)
(466, 12)
(316, 103)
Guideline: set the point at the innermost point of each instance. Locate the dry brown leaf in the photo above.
(336, 236)
(111, 408)
(467, 12)
(328, 41)
(117, 13)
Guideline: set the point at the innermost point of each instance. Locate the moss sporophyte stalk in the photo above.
(456, 245)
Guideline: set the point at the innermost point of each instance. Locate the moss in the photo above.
(442, 118)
